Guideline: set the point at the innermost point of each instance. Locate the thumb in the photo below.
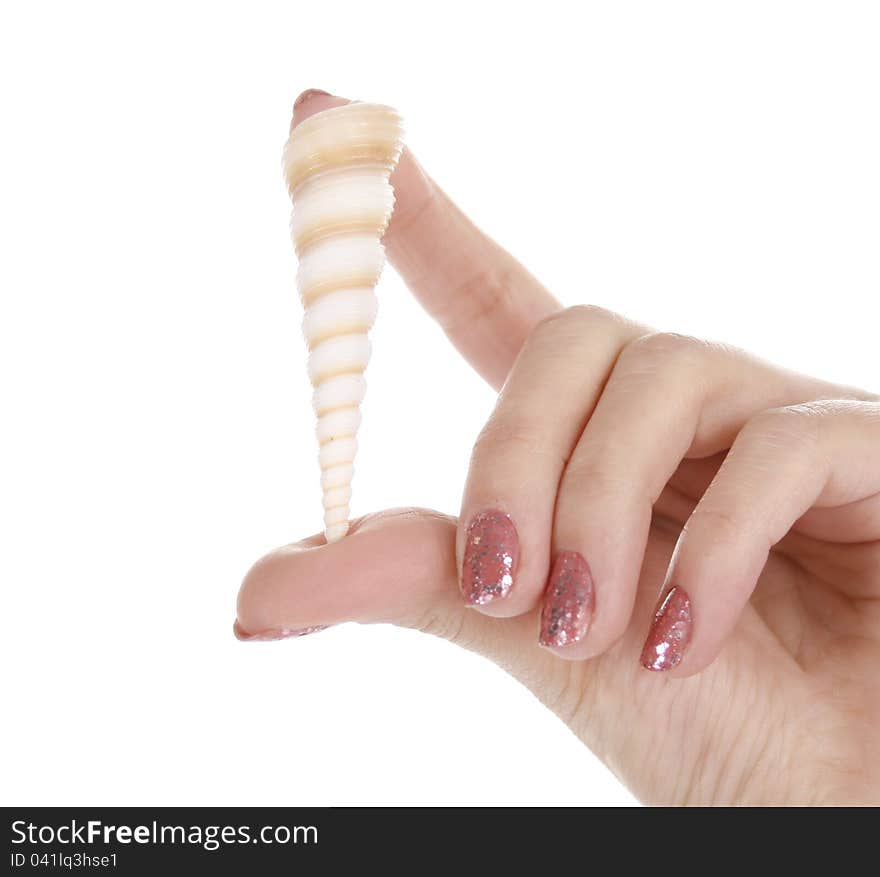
(397, 566)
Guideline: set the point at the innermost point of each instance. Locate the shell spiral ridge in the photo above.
(337, 165)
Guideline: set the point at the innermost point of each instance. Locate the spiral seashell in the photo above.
(336, 165)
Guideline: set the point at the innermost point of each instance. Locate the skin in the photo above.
(663, 460)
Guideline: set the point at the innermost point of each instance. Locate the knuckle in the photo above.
(599, 476)
(477, 297)
(791, 424)
(725, 526)
(520, 436)
(666, 350)
(588, 332)
(589, 314)
(574, 320)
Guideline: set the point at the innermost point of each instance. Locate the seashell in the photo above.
(336, 166)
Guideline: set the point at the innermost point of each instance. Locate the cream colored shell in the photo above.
(336, 165)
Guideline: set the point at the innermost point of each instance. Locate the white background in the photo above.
(710, 168)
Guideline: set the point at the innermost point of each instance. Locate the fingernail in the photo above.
(309, 93)
(490, 556)
(298, 104)
(568, 603)
(670, 632)
(264, 636)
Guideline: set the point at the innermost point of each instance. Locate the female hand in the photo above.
(621, 466)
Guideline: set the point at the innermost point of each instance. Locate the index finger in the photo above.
(485, 301)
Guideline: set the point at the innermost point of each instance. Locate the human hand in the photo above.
(621, 465)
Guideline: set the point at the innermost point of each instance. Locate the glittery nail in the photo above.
(670, 632)
(568, 602)
(265, 636)
(490, 556)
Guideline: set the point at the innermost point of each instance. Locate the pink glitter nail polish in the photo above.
(491, 553)
(265, 636)
(670, 632)
(568, 602)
